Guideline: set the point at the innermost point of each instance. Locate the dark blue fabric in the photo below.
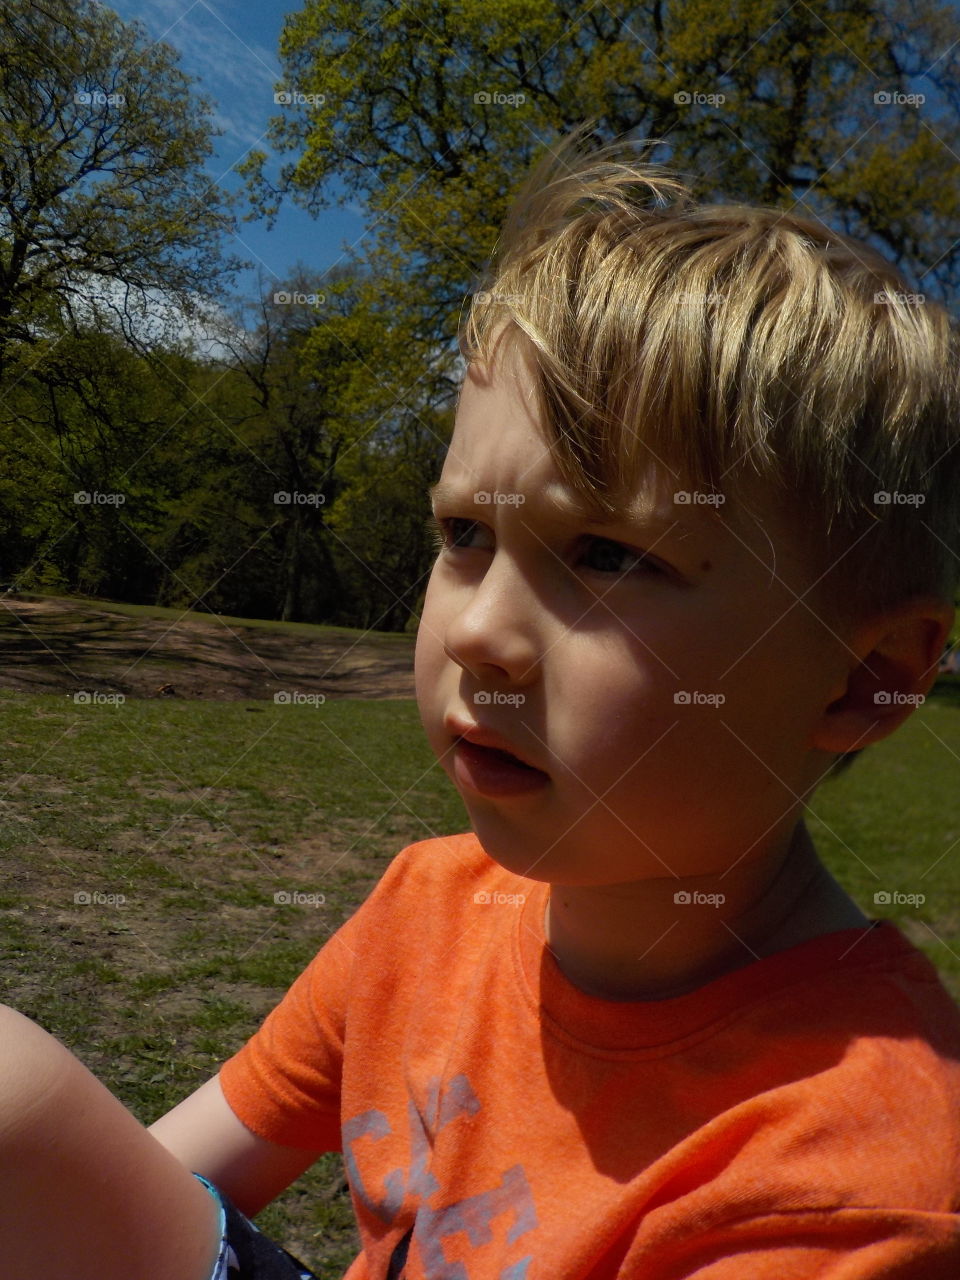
(245, 1252)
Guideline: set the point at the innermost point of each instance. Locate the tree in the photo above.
(292, 433)
(251, 530)
(340, 494)
(95, 439)
(247, 482)
(431, 113)
(384, 547)
(106, 213)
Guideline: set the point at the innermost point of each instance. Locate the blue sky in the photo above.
(231, 46)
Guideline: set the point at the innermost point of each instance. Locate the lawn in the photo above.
(196, 814)
(893, 827)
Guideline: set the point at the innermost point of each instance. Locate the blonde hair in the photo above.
(726, 339)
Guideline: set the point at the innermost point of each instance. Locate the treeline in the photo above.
(274, 467)
(246, 482)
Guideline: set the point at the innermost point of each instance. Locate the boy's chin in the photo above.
(509, 851)
(580, 867)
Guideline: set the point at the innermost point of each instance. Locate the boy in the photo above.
(629, 1026)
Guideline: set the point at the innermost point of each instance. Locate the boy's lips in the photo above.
(484, 762)
(479, 736)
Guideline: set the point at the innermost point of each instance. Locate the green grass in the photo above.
(893, 826)
(199, 812)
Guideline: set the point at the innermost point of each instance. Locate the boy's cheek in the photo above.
(428, 648)
(426, 679)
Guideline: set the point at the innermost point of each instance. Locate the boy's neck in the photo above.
(635, 943)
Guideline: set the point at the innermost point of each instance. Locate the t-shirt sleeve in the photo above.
(284, 1084)
(837, 1244)
(818, 1179)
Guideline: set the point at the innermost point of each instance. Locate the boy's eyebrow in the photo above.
(566, 506)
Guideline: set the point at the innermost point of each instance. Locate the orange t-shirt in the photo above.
(796, 1118)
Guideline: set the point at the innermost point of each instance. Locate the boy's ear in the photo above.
(892, 666)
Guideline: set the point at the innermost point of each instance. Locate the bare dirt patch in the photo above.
(67, 646)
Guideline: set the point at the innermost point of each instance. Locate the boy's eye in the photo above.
(601, 555)
(614, 557)
(451, 532)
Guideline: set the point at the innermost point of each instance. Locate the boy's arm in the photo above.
(206, 1136)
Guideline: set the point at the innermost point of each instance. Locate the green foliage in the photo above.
(89, 430)
(406, 116)
(380, 525)
(252, 484)
(103, 195)
(431, 115)
(303, 479)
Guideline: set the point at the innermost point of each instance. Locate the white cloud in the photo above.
(153, 318)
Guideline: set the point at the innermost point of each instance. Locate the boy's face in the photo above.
(578, 649)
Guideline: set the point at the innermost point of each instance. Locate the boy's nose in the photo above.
(496, 628)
